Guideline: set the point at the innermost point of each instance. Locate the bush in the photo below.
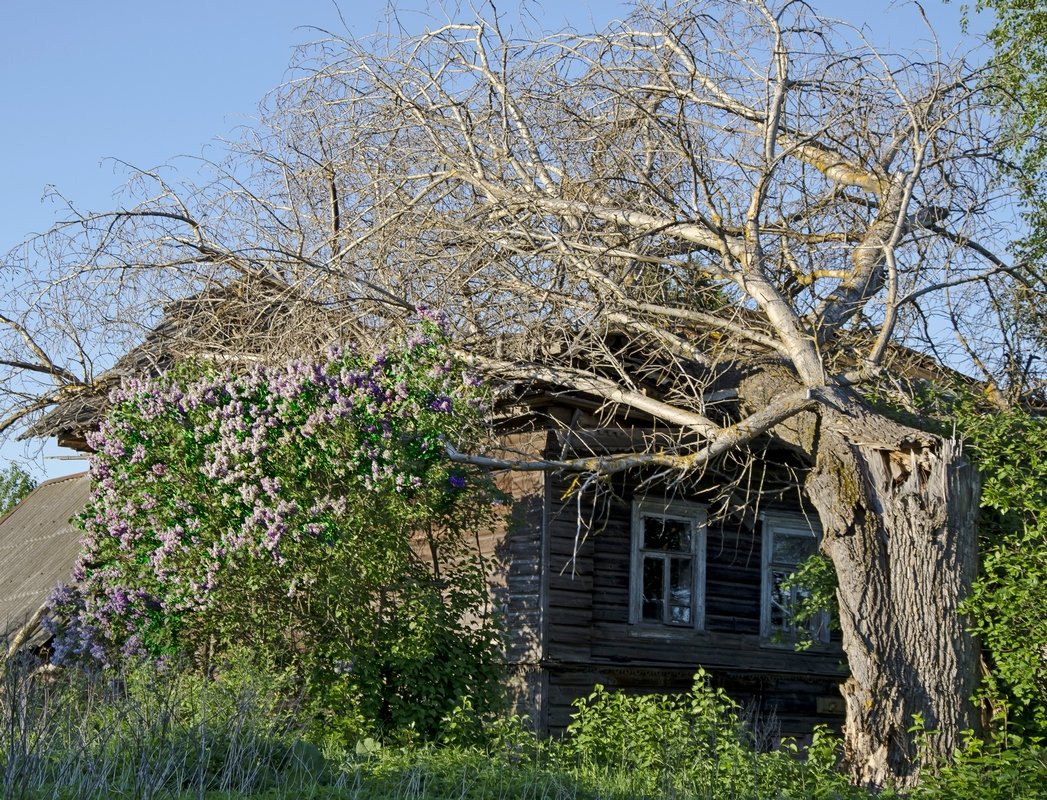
(1004, 768)
(1008, 604)
(308, 514)
(694, 745)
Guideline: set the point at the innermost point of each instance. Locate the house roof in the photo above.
(252, 319)
(256, 318)
(39, 543)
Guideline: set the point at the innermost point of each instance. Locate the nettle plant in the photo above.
(308, 514)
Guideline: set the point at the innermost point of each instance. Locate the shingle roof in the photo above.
(39, 543)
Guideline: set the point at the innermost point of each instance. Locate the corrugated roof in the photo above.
(39, 543)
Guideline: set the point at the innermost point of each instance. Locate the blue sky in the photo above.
(84, 83)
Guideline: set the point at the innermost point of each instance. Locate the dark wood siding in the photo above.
(773, 705)
(590, 638)
(515, 546)
(732, 580)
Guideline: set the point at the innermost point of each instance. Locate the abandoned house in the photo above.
(628, 582)
(635, 585)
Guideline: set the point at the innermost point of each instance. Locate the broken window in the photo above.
(667, 579)
(788, 540)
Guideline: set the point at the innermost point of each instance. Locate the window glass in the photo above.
(681, 578)
(653, 589)
(781, 601)
(667, 563)
(790, 548)
(662, 533)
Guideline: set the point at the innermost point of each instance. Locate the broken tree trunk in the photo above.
(898, 507)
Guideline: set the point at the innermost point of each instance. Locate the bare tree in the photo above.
(725, 216)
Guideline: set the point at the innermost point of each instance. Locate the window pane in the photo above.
(781, 602)
(792, 549)
(680, 581)
(666, 534)
(653, 600)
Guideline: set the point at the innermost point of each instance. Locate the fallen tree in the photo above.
(724, 216)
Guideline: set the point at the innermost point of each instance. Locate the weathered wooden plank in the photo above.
(689, 649)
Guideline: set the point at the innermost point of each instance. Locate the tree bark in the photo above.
(898, 509)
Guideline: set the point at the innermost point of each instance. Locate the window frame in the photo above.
(696, 515)
(795, 525)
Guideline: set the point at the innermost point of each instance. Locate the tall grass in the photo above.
(147, 733)
(162, 733)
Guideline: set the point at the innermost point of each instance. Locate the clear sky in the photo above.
(84, 83)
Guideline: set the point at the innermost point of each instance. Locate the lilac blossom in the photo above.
(233, 482)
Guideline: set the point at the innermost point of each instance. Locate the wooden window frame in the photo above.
(693, 513)
(797, 525)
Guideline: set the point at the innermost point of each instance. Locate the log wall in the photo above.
(589, 638)
(516, 547)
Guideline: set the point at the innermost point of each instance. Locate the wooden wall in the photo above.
(589, 638)
(516, 547)
(562, 587)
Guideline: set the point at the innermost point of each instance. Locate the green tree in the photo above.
(15, 483)
(1009, 601)
(308, 514)
(1019, 39)
(1008, 605)
(1019, 83)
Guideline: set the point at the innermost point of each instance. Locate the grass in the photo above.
(155, 734)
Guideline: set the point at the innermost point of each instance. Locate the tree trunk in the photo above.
(898, 508)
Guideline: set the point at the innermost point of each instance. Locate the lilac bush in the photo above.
(307, 512)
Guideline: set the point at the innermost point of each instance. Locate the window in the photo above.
(788, 540)
(667, 578)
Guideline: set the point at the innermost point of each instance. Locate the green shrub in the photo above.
(309, 514)
(1005, 768)
(1008, 604)
(693, 745)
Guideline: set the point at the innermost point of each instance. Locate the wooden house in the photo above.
(633, 583)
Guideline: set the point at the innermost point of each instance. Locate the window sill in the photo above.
(647, 630)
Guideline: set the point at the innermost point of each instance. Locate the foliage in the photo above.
(1019, 81)
(1020, 78)
(15, 483)
(284, 510)
(1004, 768)
(1008, 605)
(695, 745)
(816, 576)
